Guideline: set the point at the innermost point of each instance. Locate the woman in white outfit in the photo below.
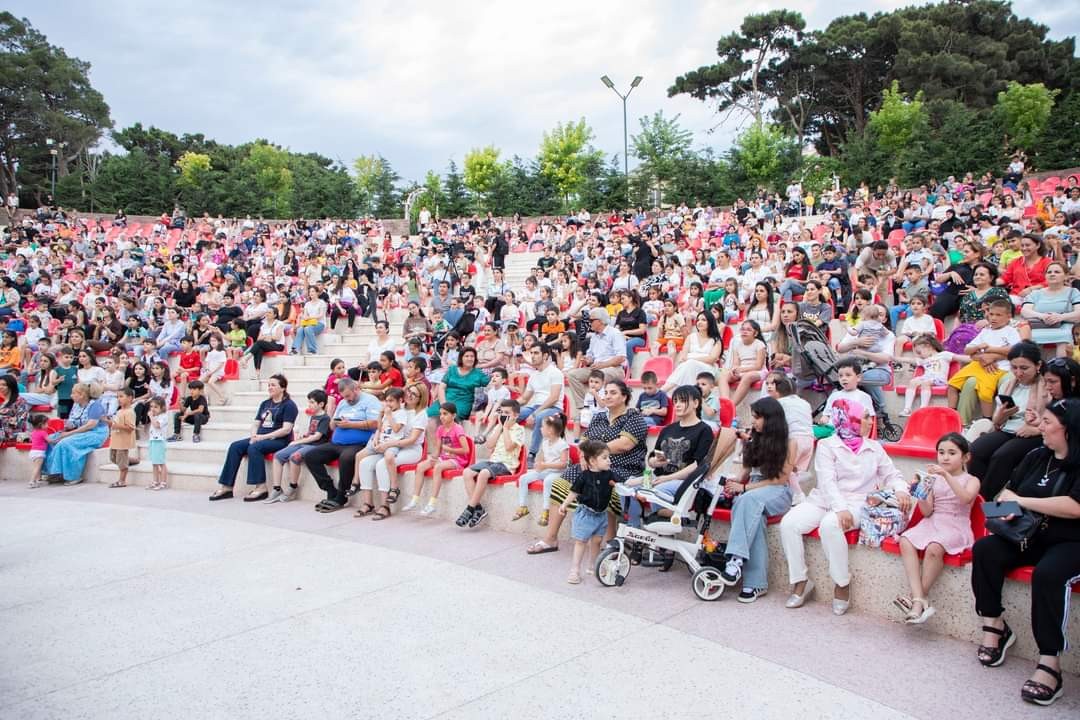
(381, 465)
(848, 467)
(700, 353)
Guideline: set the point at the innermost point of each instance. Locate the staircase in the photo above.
(196, 466)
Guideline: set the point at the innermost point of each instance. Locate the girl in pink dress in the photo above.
(945, 494)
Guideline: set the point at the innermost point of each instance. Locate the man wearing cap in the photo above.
(607, 353)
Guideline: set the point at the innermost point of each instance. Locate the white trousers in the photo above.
(373, 467)
(800, 520)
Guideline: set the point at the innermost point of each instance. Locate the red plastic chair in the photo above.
(896, 237)
(924, 428)
(231, 370)
(574, 459)
(409, 467)
(512, 477)
(668, 419)
(726, 413)
(978, 530)
(1023, 574)
(662, 365)
(724, 515)
(455, 472)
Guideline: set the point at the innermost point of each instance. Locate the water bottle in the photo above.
(646, 479)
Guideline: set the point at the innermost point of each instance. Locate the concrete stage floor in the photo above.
(132, 604)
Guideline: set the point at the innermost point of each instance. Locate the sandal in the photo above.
(1039, 693)
(365, 510)
(118, 484)
(903, 604)
(574, 578)
(540, 547)
(994, 656)
(353, 489)
(393, 495)
(380, 514)
(918, 617)
(522, 511)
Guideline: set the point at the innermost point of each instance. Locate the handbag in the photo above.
(1021, 529)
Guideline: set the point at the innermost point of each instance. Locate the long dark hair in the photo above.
(1067, 371)
(12, 391)
(688, 394)
(712, 329)
(768, 449)
(768, 297)
(1067, 411)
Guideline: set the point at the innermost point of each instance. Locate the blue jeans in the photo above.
(254, 452)
(538, 422)
(308, 335)
(873, 379)
(634, 511)
(788, 288)
(909, 226)
(164, 350)
(747, 537)
(631, 343)
(894, 313)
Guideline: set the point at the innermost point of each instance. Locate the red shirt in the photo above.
(191, 361)
(392, 376)
(1018, 276)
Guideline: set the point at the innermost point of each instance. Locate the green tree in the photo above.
(367, 169)
(269, 168)
(564, 154)
(1060, 143)
(763, 156)
(742, 79)
(482, 170)
(457, 200)
(45, 94)
(193, 181)
(1025, 110)
(898, 119)
(661, 146)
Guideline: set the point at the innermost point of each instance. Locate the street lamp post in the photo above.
(626, 146)
(52, 151)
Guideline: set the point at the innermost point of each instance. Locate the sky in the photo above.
(416, 82)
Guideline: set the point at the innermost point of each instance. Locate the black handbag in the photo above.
(1023, 528)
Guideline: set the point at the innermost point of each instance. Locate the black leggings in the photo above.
(1056, 565)
(335, 313)
(261, 347)
(995, 455)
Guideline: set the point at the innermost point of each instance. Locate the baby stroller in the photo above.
(659, 538)
(819, 358)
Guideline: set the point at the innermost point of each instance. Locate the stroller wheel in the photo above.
(707, 584)
(612, 567)
(888, 430)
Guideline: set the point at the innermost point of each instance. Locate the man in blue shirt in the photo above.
(355, 419)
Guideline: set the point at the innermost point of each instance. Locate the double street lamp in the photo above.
(626, 146)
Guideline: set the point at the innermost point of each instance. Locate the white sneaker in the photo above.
(429, 510)
(411, 505)
(275, 496)
(289, 495)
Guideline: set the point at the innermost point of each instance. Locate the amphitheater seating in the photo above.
(922, 431)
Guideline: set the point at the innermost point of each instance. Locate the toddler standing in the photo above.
(39, 444)
(159, 419)
(592, 492)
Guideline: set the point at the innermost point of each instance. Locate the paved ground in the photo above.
(129, 604)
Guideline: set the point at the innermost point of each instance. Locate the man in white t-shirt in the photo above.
(542, 397)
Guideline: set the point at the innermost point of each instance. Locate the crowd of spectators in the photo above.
(976, 276)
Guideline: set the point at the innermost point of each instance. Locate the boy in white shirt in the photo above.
(849, 370)
(989, 351)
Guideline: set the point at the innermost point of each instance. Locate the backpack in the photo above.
(815, 351)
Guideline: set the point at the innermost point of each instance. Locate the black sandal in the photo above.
(365, 510)
(379, 514)
(393, 495)
(329, 506)
(994, 656)
(353, 489)
(1040, 694)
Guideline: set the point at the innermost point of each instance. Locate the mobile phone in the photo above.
(1001, 509)
(1006, 400)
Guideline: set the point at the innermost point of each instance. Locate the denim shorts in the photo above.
(492, 467)
(588, 524)
(283, 455)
